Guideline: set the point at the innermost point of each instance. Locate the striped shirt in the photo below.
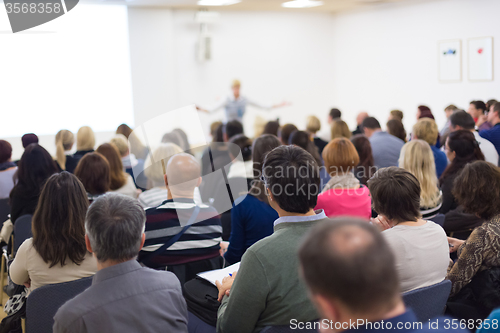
(155, 197)
(200, 241)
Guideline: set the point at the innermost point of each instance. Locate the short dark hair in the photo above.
(58, 222)
(335, 264)
(94, 173)
(28, 139)
(462, 119)
(241, 143)
(335, 113)
(272, 127)
(232, 128)
(114, 225)
(371, 123)
(489, 103)
(480, 105)
(5, 151)
(285, 132)
(469, 189)
(496, 108)
(395, 194)
(284, 177)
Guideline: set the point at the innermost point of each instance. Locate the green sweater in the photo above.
(267, 290)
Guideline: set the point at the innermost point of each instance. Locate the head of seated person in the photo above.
(183, 174)
(303, 140)
(28, 139)
(240, 144)
(5, 152)
(272, 127)
(340, 156)
(94, 173)
(395, 195)
(85, 139)
(161, 155)
(230, 129)
(370, 125)
(350, 272)
(291, 178)
(285, 131)
(426, 129)
(117, 175)
(120, 142)
(313, 124)
(339, 129)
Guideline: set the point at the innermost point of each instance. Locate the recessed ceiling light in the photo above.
(217, 2)
(301, 4)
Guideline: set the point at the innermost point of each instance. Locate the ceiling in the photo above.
(328, 6)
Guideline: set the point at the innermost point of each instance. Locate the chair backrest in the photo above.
(287, 329)
(428, 302)
(4, 209)
(22, 230)
(42, 303)
(439, 219)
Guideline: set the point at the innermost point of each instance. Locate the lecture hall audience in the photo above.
(313, 126)
(64, 143)
(365, 168)
(285, 132)
(420, 246)
(339, 129)
(417, 158)
(493, 134)
(57, 251)
(267, 289)
(395, 127)
(124, 296)
(385, 147)
(359, 123)
(7, 169)
(252, 217)
(477, 110)
(85, 143)
(343, 195)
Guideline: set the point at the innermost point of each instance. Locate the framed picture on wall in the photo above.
(480, 54)
(450, 60)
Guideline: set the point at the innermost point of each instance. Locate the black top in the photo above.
(449, 201)
(320, 143)
(459, 222)
(22, 203)
(72, 160)
(357, 130)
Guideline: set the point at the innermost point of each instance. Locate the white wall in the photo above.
(277, 56)
(387, 58)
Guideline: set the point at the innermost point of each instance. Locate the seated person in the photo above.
(426, 129)
(123, 297)
(350, 272)
(85, 143)
(477, 190)
(64, 144)
(420, 246)
(252, 217)
(56, 253)
(155, 175)
(120, 181)
(93, 171)
(385, 147)
(267, 289)
(7, 169)
(343, 194)
(197, 249)
(130, 162)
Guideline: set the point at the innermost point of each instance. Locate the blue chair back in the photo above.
(22, 230)
(439, 219)
(286, 329)
(4, 209)
(428, 302)
(42, 304)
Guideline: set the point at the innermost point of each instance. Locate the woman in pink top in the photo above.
(343, 195)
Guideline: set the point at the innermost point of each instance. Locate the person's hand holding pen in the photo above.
(225, 286)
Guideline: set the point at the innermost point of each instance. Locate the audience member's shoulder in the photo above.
(168, 279)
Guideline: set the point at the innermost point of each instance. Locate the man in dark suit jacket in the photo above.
(124, 296)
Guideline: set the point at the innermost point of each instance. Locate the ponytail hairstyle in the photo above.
(64, 141)
(240, 143)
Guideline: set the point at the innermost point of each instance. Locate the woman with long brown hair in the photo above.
(252, 218)
(93, 172)
(120, 181)
(57, 252)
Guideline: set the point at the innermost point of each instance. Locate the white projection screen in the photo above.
(70, 72)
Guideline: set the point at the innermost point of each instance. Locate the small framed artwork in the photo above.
(450, 60)
(480, 54)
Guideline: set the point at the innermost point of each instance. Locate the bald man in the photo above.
(359, 120)
(195, 231)
(350, 272)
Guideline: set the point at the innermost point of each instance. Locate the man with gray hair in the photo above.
(124, 296)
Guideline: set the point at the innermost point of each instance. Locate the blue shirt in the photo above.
(251, 220)
(234, 108)
(385, 149)
(493, 135)
(492, 323)
(440, 159)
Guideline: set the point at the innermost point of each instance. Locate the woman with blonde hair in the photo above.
(313, 125)
(64, 142)
(156, 175)
(85, 142)
(137, 147)
(417, 158)
(120, 181)
(339, 129)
